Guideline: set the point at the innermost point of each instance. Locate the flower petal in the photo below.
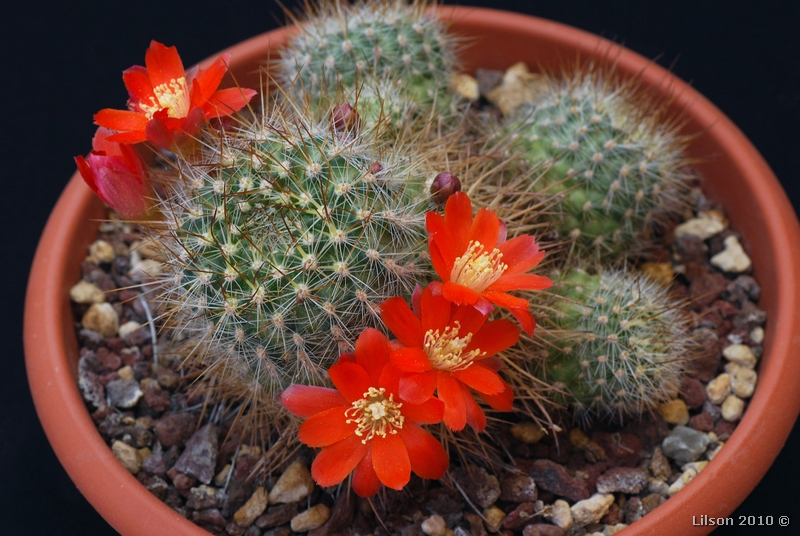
(163, 64)
(227, 101)
(417, 388)
(495, 336)
(470, 319)
(210, 78)
(458, 219)
(390, 461)
(398, 317)
(502, 401)
(485, 229)
(476, 418)
(351, 380)
(520, 282)
(372, 352)
(436, 311)
(411, 359)
(455, 411)
(326, 428)
(429, 412)
(459, 294)
(335, 462)
(122, 120)
(307, 400)
(365, 481)
(138, 84)
(521, 253)
(505, 300)
(525, 319)
(440, 245)
(481, 378)
(427, 456)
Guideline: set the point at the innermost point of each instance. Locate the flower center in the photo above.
(174, 96)
(375, 415)
(446, 350)
(476, 268)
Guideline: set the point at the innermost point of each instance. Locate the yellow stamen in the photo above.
(375, 415)
(476, 268)
(174, 96)
(446, 350)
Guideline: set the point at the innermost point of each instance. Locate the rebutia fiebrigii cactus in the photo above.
(612, 164)
(283, 239)
(342, 44)
(616, 343)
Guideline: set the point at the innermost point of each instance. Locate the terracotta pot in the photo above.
(734, 172)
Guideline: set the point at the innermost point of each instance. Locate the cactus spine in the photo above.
(617, 344)
(615, 167)
(285, 237)
(342, 44)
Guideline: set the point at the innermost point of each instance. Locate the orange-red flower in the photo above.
(477, 264)
(364, 426)
(117, 174)
(448, 349)
(168, 105)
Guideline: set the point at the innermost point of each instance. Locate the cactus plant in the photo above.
(616, 344)
(342, 44)
(613, 164)
(283, 239)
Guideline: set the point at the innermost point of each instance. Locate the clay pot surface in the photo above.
(734, 174)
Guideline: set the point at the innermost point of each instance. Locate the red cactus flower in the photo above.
(117, 174)
(364, 426)
(448, 349)
(477, 264)
(168, 105)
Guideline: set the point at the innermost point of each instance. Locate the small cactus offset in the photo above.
(614, 166)
(343, 44)
(617, 343)
(284, 239)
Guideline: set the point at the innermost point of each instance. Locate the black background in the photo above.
(62, 62)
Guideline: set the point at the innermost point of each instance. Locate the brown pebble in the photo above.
(694, 394)
(702, 422)
(542, 529)
(524, 514)
(551, 476)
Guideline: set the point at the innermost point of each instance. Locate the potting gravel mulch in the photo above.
(571, 482)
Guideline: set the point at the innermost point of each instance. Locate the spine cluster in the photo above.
(285, 237)
(616, 345)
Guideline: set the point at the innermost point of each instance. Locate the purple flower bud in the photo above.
(444, 185)
(344, 118)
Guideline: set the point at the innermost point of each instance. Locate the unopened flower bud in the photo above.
(344, 118)
(444, 185)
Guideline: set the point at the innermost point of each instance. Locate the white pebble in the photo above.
(690, 471)
(704, 226)
(294, 484)
(718, 388)
(101, 252)
(743, 382)
(740, 354)
(128, 327)
(732, 408)
(86, 293)
(711, 453)
(757, 335)
(128, 456)
(733, 259)
(254, 507)
(561, 515)
(313, 518)
(434, 526)
(102, 318)
(593, 509)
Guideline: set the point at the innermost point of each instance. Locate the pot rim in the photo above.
(51, 355)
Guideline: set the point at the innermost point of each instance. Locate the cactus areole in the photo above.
(737, 177)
